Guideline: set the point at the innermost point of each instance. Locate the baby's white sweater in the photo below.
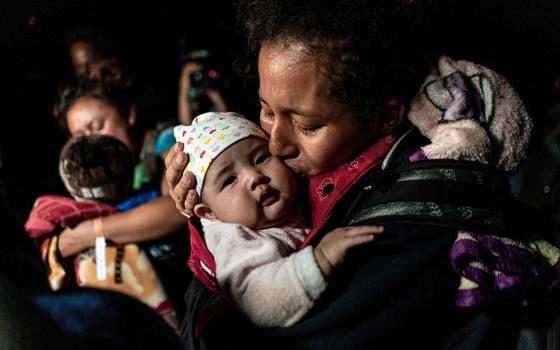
(262, 273)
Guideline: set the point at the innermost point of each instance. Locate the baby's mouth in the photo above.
(268, 196)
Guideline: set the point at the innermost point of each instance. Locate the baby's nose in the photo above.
(256, 179)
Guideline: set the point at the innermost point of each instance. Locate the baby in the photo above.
(252, 225)
(96, 167)
(99, 168)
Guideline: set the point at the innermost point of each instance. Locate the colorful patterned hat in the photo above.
(209, 135)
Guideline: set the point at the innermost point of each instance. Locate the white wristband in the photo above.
(100, 245)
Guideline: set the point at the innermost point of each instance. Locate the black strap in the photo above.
(448, 193)
(118, 263)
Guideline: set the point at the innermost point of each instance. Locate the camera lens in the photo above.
(199, 84)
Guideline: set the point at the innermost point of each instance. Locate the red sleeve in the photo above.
(201, 261)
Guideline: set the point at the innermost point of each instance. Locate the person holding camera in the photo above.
(196, 93)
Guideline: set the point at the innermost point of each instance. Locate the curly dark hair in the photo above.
(367, 47)
(115, 94)
(97, 167)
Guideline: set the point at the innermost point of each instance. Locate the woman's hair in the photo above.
(115, 94)
(366, 47)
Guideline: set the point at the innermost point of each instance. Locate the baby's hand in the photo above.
(333, 247)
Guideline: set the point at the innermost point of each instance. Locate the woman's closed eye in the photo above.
(267, 115)
(309, 131)
(306, 125)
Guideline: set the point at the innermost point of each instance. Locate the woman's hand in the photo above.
(333, 247)
(74, 240)
(181, 186)
(217, 100)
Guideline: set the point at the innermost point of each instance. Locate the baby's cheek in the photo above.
(232, 209)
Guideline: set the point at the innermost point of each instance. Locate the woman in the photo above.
(107, 109)
(334, 86)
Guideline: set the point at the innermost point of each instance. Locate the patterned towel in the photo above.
(489, 265)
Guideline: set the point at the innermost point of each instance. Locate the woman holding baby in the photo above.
(333, 105)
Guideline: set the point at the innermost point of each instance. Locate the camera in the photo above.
(207, 78)
(203, 80)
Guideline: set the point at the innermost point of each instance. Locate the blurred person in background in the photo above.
(95, 55)
(106, 108)
(202, 82)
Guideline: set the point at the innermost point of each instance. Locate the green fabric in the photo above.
(139, 176)
(147, 173)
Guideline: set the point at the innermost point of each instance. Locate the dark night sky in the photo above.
(519, 39)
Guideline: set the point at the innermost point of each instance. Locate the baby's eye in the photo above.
(262, 158)
(229, 181)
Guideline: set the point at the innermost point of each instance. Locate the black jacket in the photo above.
(397, 293)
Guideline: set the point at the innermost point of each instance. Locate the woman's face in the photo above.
(91, 116)
(310, 131)
(81, 54)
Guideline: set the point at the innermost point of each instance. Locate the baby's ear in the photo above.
(203, 211)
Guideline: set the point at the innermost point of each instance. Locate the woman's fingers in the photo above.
(175, 163)
(181, 186)
(185, 194)
(172, 154)
(190, 202)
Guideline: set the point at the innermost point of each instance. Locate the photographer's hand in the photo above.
(184, 107)
(217, 100)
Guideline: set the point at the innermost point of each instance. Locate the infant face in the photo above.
(247, 185)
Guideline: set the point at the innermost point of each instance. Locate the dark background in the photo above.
(518, 39)
(34, 60)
